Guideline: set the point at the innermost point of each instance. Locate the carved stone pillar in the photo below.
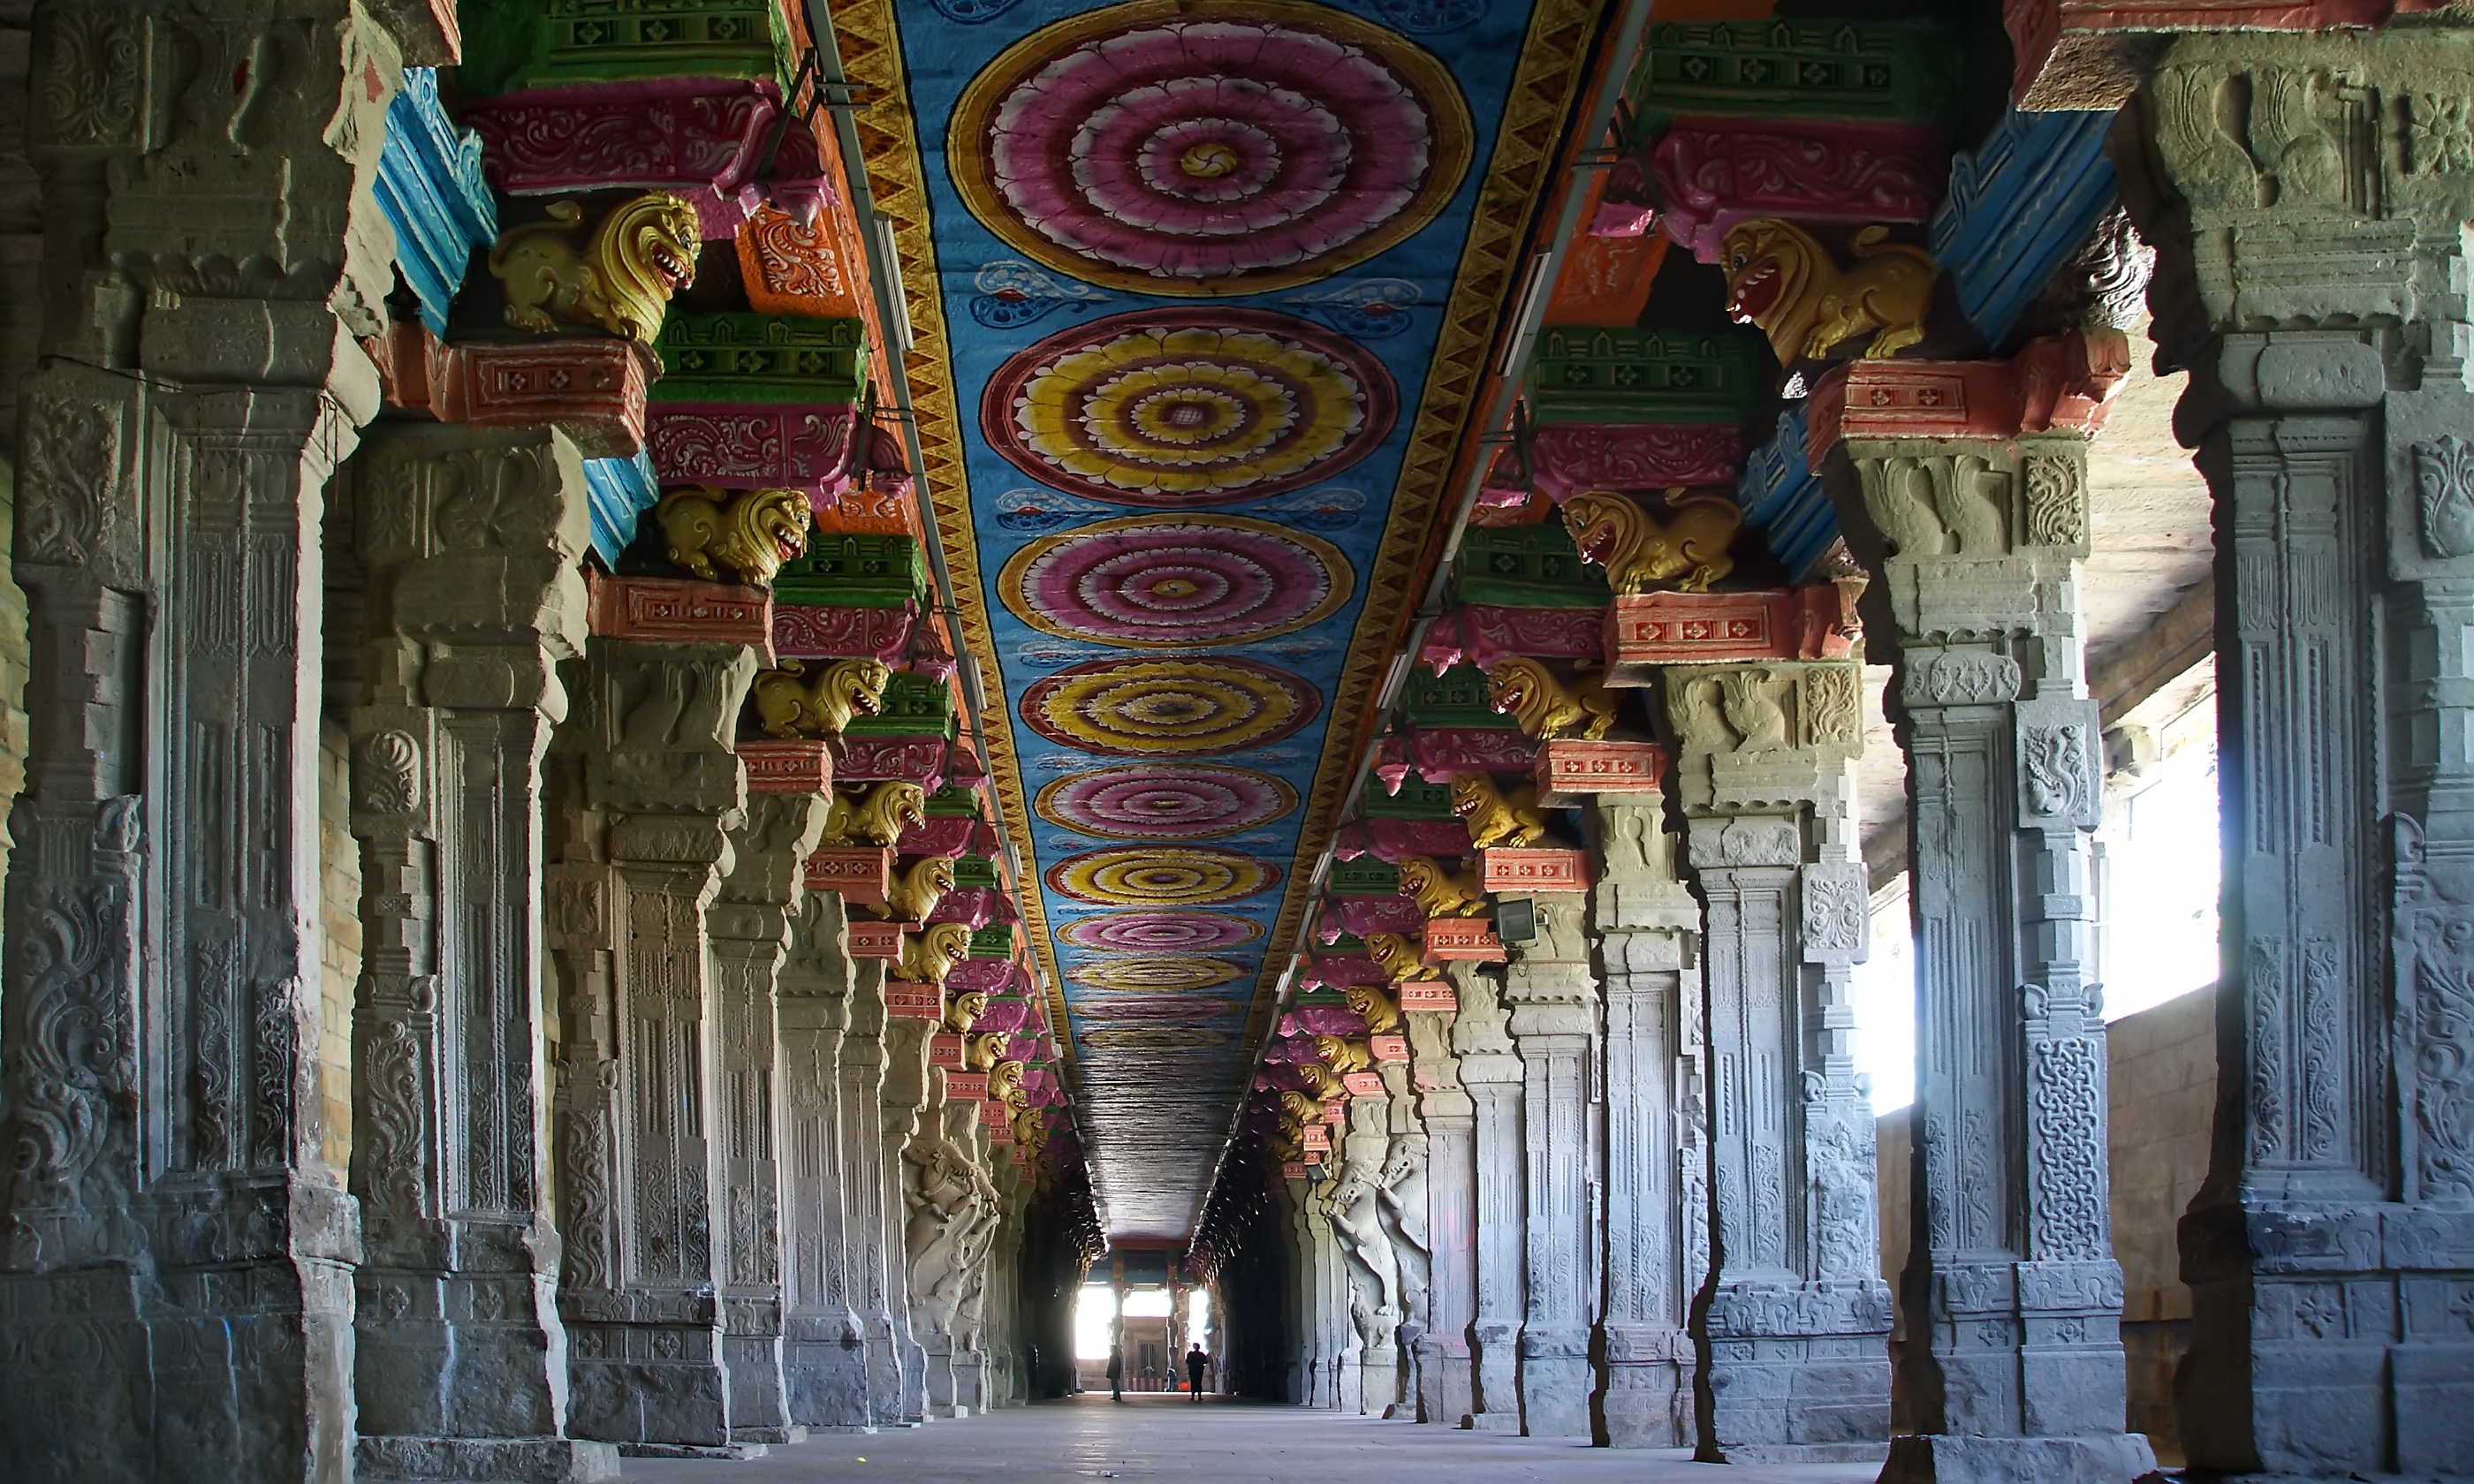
(1553, 996)
(1304, 1355)
(2013, 1299)
(872, 1254)
(750, 927)
(647, 792)
(948, 1203)
(468, 542)
(1657, 1137)
(1448, 1113)
(1400, 1198)
(175, 1252)
(1490, 1071)
(824, 1347)
(2330, 1253)
(1331, 1352)
(905, 1098)
(1370, 1295)
(1793, 1337)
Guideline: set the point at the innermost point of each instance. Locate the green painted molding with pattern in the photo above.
(1631, 375)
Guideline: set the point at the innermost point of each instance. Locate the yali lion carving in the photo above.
(1545, 707)
(931, 953)
(642, 253)
(1781, 280)
(1440, 893)
(1641, 551)
(916, 889)
(963, 1009)
(1494, 817)
(874, 813)
(1345, 1054)
(1374, 1006)
(745, 532)
(789, 705)
(1397, 954)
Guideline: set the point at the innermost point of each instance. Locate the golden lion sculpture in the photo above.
(642, 253)
(1545, 707)
(931, 953)
(1640, 551)
(985, 1050)
(1438, 892)
(963, 1009)
(1343, 1054)
(1322, 1081)
(1400, 957)
(1373, 1007)
(746, 533)
(916, 891)
(788, 707)
(1781, 280)
(1494, 817)
(874, 813)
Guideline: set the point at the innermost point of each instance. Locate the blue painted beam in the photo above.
(2018, 208)
(430, 190)
(619, 490)
(1784, 500)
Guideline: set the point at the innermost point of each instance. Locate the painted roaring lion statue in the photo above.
(929, 954)
(1494, 817)
(1638, 550)
(1781, 280)
(963, 1009)
(874, 813)
(1372, 1006)
(1343, 1054)
(1398, 955)
(642, 253)
(1438, 892)
(747, 532)
(790, 705)
(1545, 707)
(919, 889)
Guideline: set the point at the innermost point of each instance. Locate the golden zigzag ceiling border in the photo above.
(871, 48)
(1537, 113)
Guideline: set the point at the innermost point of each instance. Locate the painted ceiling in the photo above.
(1212, 292)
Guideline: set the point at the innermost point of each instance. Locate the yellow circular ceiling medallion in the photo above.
(1146, 876)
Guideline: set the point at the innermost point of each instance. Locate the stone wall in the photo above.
(2161, 1070)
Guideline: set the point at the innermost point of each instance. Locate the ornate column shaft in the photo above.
(1490, 1071)
(1370, 1272)
(648, 791)
(175, 1251)
(1552, 993)
(906, 1099)
(1305, 1352)
(2013, 1299)
(749, 922)
(1449, 1115)
(874, 1242)
(468, 542)
(824, 1347)
(2330, 1253)
(1400, 1197)
(1657, 1175)
(1792, 1340)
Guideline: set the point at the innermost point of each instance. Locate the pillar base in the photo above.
(1939, 1458)
(724, 1453)
(498, 1460)
(1795, 1453)
(1647, 1405)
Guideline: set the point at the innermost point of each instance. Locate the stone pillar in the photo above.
(175, 1251)
(461, 1359)
(2330, 1253)
(1326, 1307)
(1448, 1113)
(948, 1209)
(1490, 1071)
(1657, 1137)
(1402, 1203)
(2013, 1365)
(824, 1346)
(871, 1254)
(1371, 1292)
(1305, 1366)
(1553, 999)
(1793, 1337)
(906, 1099)
(647, 792)
(750, 927)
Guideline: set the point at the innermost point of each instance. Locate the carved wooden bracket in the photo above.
(1570, 771)
(1654, 628)
(1470, 939)
(905, 1000)
(861, 874)
(920, 760)
(1714, 172)
(1521, 870)
(868, 939)
(667, 611)
(787, 767)
(1427, 996)
(589, 387)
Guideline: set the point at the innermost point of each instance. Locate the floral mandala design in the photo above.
(1175, 581)
(1169, 707)
(1209, 147)
(1158, 975)
(1148, 876)
(1165, 408)
(1192, 802)
(1159, 932)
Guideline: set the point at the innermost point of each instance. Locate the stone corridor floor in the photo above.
(1213, 1442)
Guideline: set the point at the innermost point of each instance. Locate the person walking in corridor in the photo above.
(1196, 1363)
(1116, 1373)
